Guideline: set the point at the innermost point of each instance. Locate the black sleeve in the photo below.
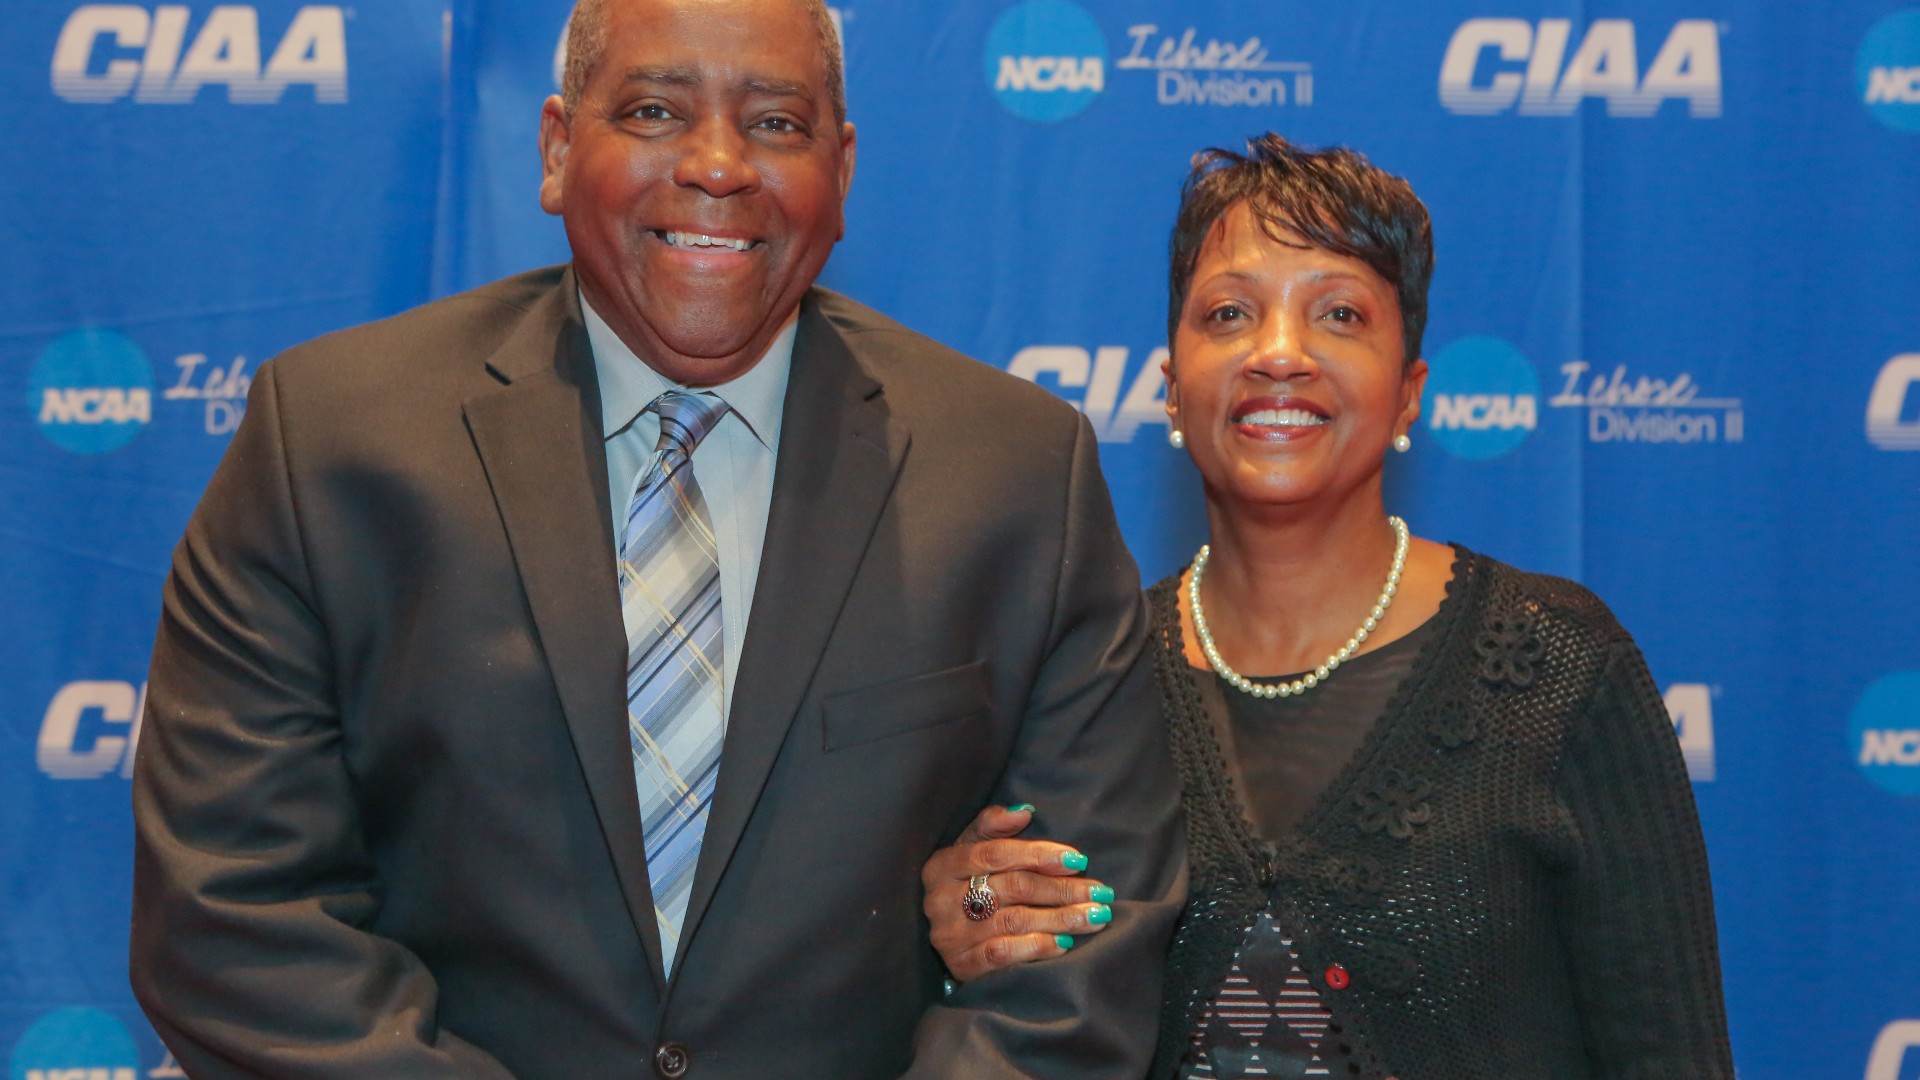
(1638, 908)
(1092, 755)
(251, 875)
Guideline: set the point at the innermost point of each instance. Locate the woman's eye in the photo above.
(1226, 313)
(1345, 313)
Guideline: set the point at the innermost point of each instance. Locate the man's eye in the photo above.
(652, 112)
(781, 124)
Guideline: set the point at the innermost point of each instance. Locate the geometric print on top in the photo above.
(1267, 1019)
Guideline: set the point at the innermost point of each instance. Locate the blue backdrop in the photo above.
(1675, 341)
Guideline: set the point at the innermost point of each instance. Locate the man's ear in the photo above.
(555, 136)
(848, 155)
(849, 144)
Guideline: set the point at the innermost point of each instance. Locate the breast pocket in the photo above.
(898, 706)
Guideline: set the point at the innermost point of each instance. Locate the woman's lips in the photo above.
(1279, 419)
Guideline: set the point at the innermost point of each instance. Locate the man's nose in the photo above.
(716, 160)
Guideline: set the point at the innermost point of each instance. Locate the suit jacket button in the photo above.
(672, 1061)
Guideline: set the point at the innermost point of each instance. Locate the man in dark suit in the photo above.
(570, 677)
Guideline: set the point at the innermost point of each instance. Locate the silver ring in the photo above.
(979, 902)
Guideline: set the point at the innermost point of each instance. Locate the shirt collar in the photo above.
(628, 384)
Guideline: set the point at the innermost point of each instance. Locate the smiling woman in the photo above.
(1292, 364)
(1445, 830)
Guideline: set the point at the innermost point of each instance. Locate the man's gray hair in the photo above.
(587, 41)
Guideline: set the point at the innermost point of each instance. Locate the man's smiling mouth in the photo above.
(693, 241)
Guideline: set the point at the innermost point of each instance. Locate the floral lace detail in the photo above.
(1357, 877)
(1509, 647)
(1396, 804)
(1454, 727)
(1387, 967)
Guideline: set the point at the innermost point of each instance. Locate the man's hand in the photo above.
(1042, 900)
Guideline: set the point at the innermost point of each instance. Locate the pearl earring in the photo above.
(1177, 439)
(1402, 443)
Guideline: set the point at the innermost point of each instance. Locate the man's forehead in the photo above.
(766, 20)
(731, 74)
(770, 44)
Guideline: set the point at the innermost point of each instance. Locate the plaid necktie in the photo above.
(670, 599)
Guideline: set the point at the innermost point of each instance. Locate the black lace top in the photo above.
(1506, 880)
(1283, 752)
(1281, 755)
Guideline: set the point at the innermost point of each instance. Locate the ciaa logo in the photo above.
(1116, 397)
(1493, 65)
(1887, 424)
(1889, 1056)
(76, 1044)
(108, 51)
(1885, 732)
(91, 729)
(92, 391)
(1888, 70)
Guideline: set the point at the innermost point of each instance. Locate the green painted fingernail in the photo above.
(1100, 915)
(1065, 941)
(1020, 808)
(1073, 860)
(1101, 894)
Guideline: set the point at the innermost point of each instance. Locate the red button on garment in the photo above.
(1338, 978)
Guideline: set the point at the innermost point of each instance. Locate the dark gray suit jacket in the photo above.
(385, 810)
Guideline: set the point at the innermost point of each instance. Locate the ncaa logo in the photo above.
(1889, 1055)
(75, 1044)
(1888, 425)
(92, 391)
(1886, 732)
(1046, 60)
(1482, 398)
(1888, 70)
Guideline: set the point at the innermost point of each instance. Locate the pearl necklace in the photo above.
(1318, 675)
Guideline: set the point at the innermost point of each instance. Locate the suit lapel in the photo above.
(540, 442)
(839, 453)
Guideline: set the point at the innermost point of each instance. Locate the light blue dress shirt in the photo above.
(734, 464)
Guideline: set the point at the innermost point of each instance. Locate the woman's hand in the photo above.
(1042, 900)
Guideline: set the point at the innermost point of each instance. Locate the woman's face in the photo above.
(1288, 375)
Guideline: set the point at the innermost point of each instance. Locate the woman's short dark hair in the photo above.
(1334, 199)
